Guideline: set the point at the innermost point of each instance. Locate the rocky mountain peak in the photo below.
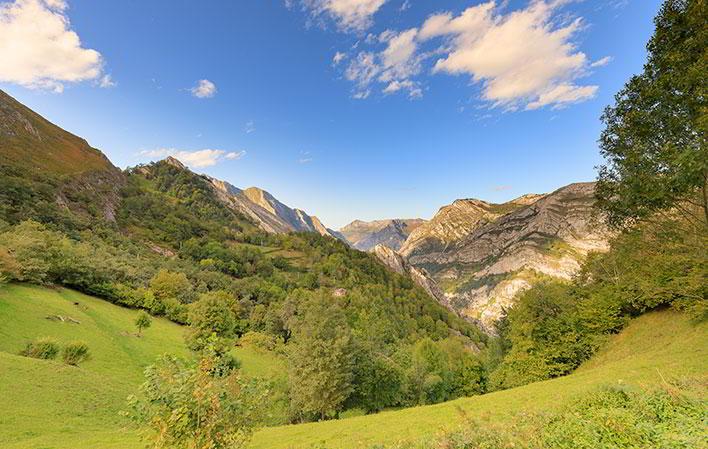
(391, 233)
(169, 160)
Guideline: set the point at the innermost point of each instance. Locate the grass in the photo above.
(49, 405)
(654, 345)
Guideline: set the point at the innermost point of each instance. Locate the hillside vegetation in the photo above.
(71, 404)
(656, 346)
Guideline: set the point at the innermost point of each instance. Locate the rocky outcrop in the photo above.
(393, 233)
(30, 143)
(267, 212)
(396, 263)
(482, 255)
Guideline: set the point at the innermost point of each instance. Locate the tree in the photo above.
(166, 285)
(320, 360)
(212, 314)
(189, 406)
(142, 321)
(654, 142)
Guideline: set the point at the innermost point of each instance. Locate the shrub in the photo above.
(75, 352)
(607, 418)
(43, 348)
(187, 405)
(142, 321)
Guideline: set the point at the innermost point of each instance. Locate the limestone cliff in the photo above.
(392, 233)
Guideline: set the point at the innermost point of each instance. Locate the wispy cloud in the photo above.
(348, 15)
(107, 81)
(522, 59)
(249, 127)
(204, 89)
(196, 158)
(602, 62)
(39, 50)
(338, 57)
(501, 188)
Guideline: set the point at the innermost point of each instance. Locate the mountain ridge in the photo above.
(475, 257)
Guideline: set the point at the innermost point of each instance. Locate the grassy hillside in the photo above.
(656, 344)
(49, 405)
(31, 142)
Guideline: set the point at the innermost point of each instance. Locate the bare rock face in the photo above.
(475, 257)
(482, 255)
(396, 263)
(267, 212)
(364, 236)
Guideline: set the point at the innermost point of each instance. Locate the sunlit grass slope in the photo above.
(46, 404)
(654, 345)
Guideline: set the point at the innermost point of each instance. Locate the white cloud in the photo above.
(523, 57)
(338, 57)
(562, 95)
(350, 15)
(249, 127)
(107, 81)
(602, 62)
(393, 66)
(405, 6)
(204, 89)
(38, 48)
(197, 158)
(234, 155)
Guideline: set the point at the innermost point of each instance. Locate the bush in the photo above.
(43, 348)
(75, 352)
(607, 418)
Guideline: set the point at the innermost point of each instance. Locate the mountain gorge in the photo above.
(393, 233)
(475, 256)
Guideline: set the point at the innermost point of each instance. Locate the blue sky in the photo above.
(426, 101)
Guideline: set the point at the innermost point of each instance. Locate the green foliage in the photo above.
(555, 326)
(75, 353)
(42, 348)
(189, 406)
(654, 142)
(167, 285)
(321, 360)
(605, 418)
(142, 321)
(213, 314)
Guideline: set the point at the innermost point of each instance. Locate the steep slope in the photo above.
(455, 222)
(30, 141)
(364, 235)
(657, 344)
(267, 212)
(397, 263)
(482, 255)
(62, 167)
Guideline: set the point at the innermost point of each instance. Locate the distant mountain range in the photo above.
(475, 256)
(393, 233)
(472, 256)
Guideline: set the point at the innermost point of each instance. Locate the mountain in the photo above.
(64, 168)
(364, 235)
(482, 255)
(30, 141)
(267, 212)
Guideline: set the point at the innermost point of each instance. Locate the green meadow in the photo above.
(50, 405)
